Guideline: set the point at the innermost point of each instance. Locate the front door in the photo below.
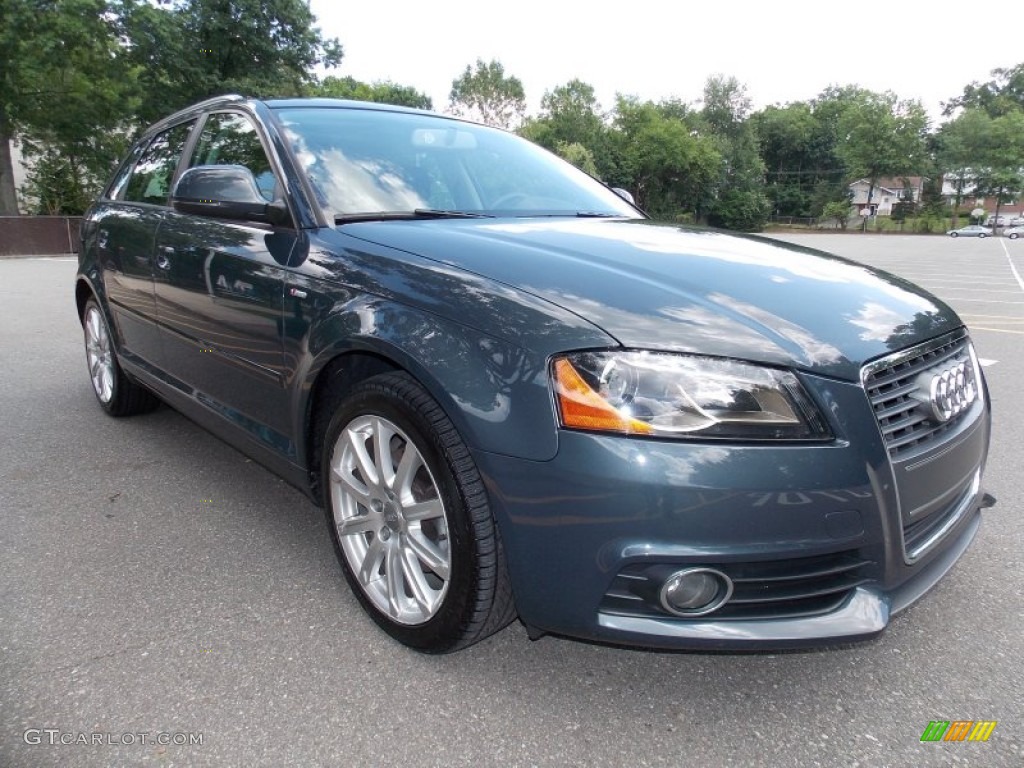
(219, 291)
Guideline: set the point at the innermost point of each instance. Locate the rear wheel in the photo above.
(117, 394)
(409, 518)
(1013, 235)
(982, 235)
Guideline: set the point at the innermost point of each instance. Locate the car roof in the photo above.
(327, 103)
(235, 99)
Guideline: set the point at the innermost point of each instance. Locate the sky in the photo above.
(783, 51)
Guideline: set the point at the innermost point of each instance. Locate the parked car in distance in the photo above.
(1013, 232)
(998, 221)
(513, 394)
(971, 230)
(1016, 221)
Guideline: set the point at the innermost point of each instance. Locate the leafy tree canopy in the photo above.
(1002, 94)
(485, 94)
(879, 136)
(381, 92)
(62, 82)
(187, 50)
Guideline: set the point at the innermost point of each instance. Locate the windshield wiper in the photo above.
(418, 213)
(571, 214)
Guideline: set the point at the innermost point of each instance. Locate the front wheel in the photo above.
(954, 234)
(409, 518)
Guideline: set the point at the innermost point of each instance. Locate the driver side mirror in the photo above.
(225, 192)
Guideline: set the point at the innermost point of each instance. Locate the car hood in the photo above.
(665, 287)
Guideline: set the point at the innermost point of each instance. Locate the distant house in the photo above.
(950, 182)
(886, 194)
(970, 201)
(1008, 212)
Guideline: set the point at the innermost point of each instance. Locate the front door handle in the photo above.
(163, 256)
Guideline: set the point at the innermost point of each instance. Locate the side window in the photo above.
(115, 191)
(231, 139)
(150, 182)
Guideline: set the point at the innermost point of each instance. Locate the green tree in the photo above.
(666, 167)
(186, 50)
(740, 201)
(571, 124)
(726, 105)
(1001, 156)
(839, 211)
(578, 155)
(381, 92)
(78, 77)
(798, 143)
(485, 94)
(66, 92)
(1002, 94)
(961, 150)
(570, 114)
(879, 136)
(784, 136)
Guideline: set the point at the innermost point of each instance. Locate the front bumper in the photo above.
(813, 532)
(861, 616)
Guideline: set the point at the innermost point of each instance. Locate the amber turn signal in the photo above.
(582, 408)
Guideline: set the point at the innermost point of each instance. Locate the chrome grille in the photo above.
(774, 589)
(891, 383)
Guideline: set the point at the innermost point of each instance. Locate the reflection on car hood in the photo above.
(665, 287)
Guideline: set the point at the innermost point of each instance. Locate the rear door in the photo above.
(219, 287)
(126, 226)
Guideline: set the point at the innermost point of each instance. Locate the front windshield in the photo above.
(362, 161)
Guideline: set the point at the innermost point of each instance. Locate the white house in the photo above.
(886, 194)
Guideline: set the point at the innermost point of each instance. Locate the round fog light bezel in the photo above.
(721, 597)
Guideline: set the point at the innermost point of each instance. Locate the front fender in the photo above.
(496, 393)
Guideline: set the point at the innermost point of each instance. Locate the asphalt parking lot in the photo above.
(155, 581)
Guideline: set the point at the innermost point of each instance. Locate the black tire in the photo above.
(982, 236)
(954, 234)
(117, 395)
(477, 599)
(1013, 236)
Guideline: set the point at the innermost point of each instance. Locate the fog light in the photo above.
(695, 591)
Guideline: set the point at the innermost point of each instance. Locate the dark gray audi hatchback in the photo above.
(515, 395)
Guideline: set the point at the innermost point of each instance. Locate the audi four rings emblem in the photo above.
(946, 393)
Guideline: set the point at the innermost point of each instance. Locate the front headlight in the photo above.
(682, 396)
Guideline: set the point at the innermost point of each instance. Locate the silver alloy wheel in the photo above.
(390, 519)
(99, 354)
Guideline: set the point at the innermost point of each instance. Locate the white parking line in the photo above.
(985, 362)
(1015, 318)
(983, 301)
(1013, 267)
(961, 287)
(996, 330)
